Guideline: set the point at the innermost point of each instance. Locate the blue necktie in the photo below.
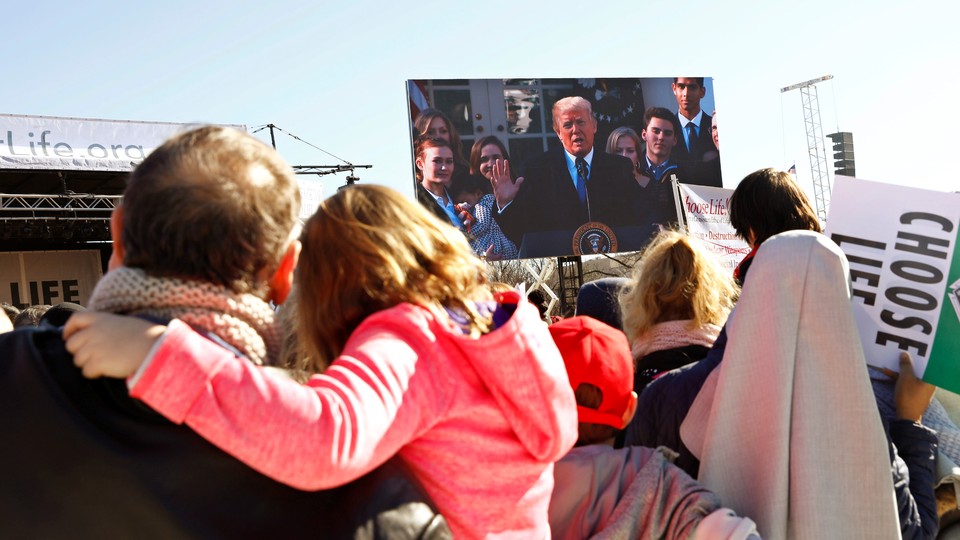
(692, 138)
(582, 176)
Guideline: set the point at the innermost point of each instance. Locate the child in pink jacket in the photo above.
(469, 390)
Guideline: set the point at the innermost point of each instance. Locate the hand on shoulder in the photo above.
(107, 345)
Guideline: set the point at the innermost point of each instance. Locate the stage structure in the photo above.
(318, 170)
(60, 180)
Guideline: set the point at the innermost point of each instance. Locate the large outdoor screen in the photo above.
(556, 167)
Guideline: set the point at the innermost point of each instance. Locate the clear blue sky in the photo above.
(334, 73)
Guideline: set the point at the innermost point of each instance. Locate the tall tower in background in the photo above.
(817, 150)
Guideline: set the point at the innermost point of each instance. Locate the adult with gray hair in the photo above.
(566, 186)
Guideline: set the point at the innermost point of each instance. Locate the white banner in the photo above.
(705, 215)
(904, 273)
(80, 144)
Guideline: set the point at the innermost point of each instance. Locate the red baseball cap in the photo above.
(598, 354)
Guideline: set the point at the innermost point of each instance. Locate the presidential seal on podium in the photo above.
(594, 237)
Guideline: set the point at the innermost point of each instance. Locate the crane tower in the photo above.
(816, 149)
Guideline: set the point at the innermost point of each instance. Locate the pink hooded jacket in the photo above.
(479, 421)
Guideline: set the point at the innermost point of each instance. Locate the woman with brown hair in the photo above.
(486, 152)
(488, 158)
(435, 166)
(433, 124)
(765, 203)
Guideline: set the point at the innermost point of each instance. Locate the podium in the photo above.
(544, 244)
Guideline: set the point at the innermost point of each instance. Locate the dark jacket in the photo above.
(703, 167)
(704, 142)
(913, 458)
(656, 363)
(428, 202)
(548, 201)
(652, 366)
(81, 459)
(665, 402)
(658, 200)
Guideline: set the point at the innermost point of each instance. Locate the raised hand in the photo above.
(491, 255)
(505, 189)
(463, 212)
(911, 395)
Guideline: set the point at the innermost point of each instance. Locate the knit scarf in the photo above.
(244, 321)
(672, 335)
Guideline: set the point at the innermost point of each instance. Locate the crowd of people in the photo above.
(54, 315)
(401, 394)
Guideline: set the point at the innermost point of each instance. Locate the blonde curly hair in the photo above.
(368, 248)
(676, 279)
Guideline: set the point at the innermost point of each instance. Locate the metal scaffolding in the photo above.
(571, 279)
(62, 207)
(815, 146)
(73, 217)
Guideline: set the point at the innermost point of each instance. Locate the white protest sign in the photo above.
(904, 273)
(706, 218)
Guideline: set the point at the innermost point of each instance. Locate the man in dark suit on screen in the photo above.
(566, 187)
(695, 151)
